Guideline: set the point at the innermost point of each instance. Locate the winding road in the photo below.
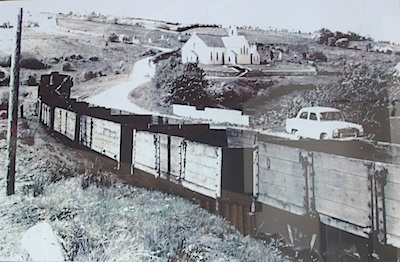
(117, 96)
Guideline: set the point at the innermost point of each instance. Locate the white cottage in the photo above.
(216, 50)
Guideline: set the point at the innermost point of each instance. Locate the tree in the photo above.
(182, 83)
(190, 87)
(363, 90)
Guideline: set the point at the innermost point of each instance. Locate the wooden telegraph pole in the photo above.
(13, 109)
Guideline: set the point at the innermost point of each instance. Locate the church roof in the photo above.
(234, 41)
(212, 40)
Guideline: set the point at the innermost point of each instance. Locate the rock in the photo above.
(41, 243)
(33, 63)
(89, 75)
(67, 67)
(32, 81)
(54, 60)
(94, 58)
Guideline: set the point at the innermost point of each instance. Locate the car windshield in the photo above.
(331, 116)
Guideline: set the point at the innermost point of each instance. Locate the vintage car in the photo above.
(322, 123)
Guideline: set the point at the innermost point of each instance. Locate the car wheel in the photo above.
(296, 134)
(324, 136)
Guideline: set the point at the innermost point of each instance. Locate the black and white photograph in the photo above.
(189, 130)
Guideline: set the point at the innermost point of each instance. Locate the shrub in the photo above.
(32, 24)
(89, 75)
(113, 38)
(5, 81)
(39, 185)
(32, 81)
(184, 28)
(5, 61)
(364, 96)
(94, 58)
(161, 26)
(318, 56)
(182, 83)
(67, 67)
(33, 63)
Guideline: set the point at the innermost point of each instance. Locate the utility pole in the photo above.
(13, 109)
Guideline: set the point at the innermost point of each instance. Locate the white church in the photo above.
(220, 50)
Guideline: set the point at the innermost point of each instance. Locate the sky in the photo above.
(379, 19)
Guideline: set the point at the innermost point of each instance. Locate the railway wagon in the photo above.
(201, 163)
(336, 202)
(65, 122)
(194, 165)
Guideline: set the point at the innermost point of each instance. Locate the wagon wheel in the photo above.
(324, 136)
(296, 134)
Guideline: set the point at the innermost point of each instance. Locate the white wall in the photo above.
(102, 136)
(65, 122)
(214, 115)
(195, 166)
(202, 51)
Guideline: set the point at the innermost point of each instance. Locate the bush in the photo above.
(33, 63)
(190, 87)
(39, 185)
(361, 95)
(32, 80)
(5, 81)
(94, 58)
(184, 28)
(182, 83)
(67, 67)
(364, 96)
(318, 56)
(161, 26)
(89, 75)
(5, 61)
(113, 38)
(326, 37)
(32, 24)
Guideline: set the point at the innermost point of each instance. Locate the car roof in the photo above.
(320, 109)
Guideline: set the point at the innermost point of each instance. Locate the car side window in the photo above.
(304, 115)
(313, 116)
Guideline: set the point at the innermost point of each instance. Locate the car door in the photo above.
(303, 123)
(313, 127)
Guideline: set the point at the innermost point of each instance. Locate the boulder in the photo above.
(41, 243)
(397, 70)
